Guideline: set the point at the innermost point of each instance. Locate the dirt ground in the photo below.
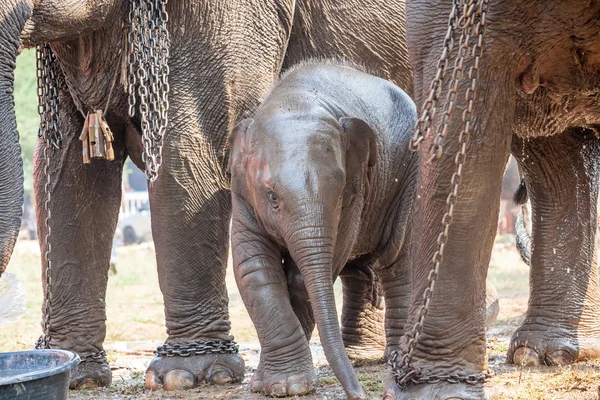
(135, 328)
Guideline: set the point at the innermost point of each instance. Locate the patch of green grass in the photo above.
(328, 380)
(373, 383)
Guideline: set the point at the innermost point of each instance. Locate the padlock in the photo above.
(108, 136)
(96, 136)
(85, 143)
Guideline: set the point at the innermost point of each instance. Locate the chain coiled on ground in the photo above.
(148, 77)
(468, 17)
(198, 348)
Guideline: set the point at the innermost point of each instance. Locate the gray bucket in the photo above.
(36, 374)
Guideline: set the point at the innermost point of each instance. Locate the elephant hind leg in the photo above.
(562, 323)
(362, 311)
(299, 296)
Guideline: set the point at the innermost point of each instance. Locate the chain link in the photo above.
(99, 358)
(470, 17)
(47, 75)
(198, 348)
(148, 70)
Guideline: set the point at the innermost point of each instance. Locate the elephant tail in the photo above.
(523, 235)
(520, 197)
(12, 299)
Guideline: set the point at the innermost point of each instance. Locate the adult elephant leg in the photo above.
(452, 340)
(453, 336)
(84, 209)
(362, 311)
(220, 68)
(562, 323)
(190, 223)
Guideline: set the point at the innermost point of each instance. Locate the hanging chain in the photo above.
(47, 89)
(470, 17)
(148, 70)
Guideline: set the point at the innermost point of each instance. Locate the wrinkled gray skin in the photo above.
(323, 179)
(225, 55)
(538, 99)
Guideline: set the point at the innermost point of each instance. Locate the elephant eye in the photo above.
(273, 199)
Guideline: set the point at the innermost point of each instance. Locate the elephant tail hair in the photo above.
(520, 197)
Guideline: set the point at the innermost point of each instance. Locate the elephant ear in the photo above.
(361, 148)
(238, 146)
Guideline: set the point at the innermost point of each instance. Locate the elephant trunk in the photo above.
(13, 15)
(312, 250)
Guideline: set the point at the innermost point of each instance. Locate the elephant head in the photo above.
(296, 173)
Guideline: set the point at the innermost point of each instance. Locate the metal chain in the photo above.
(472, 22)
(424, 125)
(47, 75)
(148, 70)
(198, 348)
(98, 358)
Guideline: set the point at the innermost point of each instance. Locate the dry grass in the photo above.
(135, 327)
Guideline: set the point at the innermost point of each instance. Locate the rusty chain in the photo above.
(469, 16)
(47, 90)
(198, 348)
(148, 72)
(48, 109)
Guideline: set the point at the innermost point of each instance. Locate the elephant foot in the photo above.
(363, 333)
(535, 344)
(437, 391)
(178, 372)
(360, 353)
(90, 375)
(297, 380)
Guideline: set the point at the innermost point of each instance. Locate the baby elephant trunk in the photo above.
(312, 250)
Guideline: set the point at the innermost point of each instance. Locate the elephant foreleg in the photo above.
(285, 367)
(562, 324)
(85, 201)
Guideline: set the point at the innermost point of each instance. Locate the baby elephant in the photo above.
(322, 180)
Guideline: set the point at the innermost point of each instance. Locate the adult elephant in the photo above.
(537, 85)
(224, 55)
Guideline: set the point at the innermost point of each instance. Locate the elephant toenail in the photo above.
(298, 389)
(526, 357)
(178, 379)
(256, 385)
(152, 380)
(278, 390)
(559, 357)
(221, 376)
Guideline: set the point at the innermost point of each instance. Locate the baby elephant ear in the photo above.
(237, 143)
(361, 141)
